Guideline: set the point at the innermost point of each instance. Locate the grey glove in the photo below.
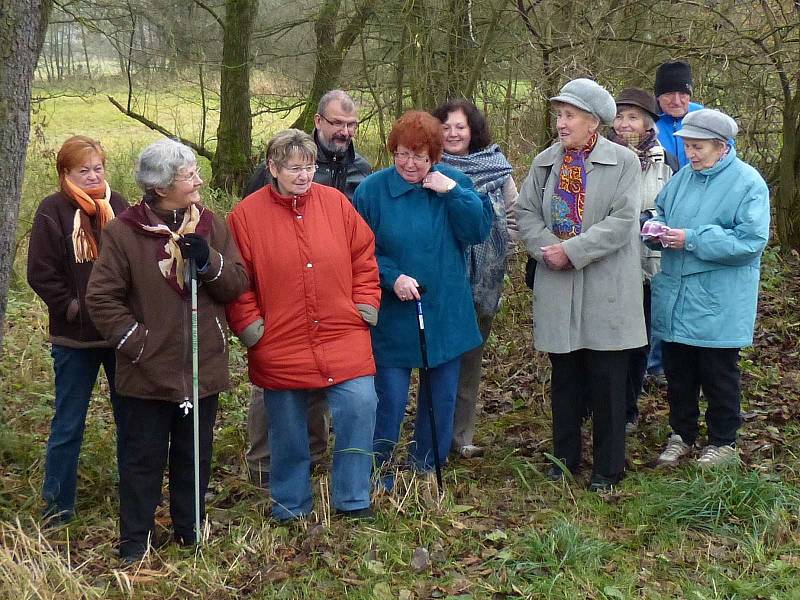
(252, 333)
(73, 310)
(368, 313)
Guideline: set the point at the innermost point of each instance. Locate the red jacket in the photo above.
(311, 259)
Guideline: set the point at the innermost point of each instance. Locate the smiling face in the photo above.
(703, 154)
(675, 104)
(294, 177)
(574, 126)
(412, 166)
(630, 122)
(89, 173)
(336, 127)
(184, 191)
(456, 133)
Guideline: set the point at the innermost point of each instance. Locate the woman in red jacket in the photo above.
(305, 321)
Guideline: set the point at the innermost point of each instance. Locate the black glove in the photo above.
(644, 217)
(195, 247)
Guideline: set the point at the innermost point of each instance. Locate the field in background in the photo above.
(501, 531)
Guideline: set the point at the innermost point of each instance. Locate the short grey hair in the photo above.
(348, 105)
(160, 162)
(291, 142)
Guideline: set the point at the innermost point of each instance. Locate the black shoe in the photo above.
(359, 514)
(600, 483)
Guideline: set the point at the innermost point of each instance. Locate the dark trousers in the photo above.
(714, 370)
(596, 380)
(637, 365)
(161, 432)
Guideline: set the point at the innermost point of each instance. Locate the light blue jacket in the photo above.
(706, 293)
(667, 126)
(424, 235)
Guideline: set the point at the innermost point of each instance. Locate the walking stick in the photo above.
(195, 403)
(425, 383)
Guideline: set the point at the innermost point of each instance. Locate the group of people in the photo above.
(324, 271)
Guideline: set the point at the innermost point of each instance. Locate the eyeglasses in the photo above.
(296, 170)
(406, 156)
(191, 177)
(337, 124)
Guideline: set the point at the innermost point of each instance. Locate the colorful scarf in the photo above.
(486, 262)
(167, 251)
(641, 145)
(570, 192)
(93, 202)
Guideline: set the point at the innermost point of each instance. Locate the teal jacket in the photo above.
(424, 235)
(706, 293)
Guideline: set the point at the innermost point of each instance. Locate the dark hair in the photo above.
(480, 136)
(417, 130)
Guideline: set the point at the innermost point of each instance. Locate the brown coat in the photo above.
(149, 323)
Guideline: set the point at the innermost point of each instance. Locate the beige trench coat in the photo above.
(598, 304)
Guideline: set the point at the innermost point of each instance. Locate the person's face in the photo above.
(675, 104)
(456, 133)
(412, 166)
(336, 127)
(184, 191)
(295, 176)
(630, 122)
(89, 173)
(574, 126)
(703, 154)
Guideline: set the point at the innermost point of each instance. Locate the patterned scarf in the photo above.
(641, 145)
(570, 193)
(143, 220)
(486, 262)
(90, 203)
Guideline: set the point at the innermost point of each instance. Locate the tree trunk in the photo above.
(231, 164)
(22, 31)
(787, 196)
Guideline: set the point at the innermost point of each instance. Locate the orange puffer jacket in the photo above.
(311, 259)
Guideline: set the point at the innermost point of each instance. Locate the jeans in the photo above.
(392, 383)
(76, 371)
(352, 404)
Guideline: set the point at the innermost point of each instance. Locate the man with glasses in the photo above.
(341, 167)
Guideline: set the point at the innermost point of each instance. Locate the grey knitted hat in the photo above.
(590, 96)
(708, 124)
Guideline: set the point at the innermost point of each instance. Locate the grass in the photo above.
(500, 530)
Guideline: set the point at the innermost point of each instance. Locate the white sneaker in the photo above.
(712, 456)
(676, 448)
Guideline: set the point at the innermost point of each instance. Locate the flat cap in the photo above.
(590, 96)
(708, 124)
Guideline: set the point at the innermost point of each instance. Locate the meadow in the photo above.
(499, 530)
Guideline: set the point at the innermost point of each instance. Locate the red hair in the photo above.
(74, 150)
(417, 130)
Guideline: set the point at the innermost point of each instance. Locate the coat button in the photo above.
(308, 265)
(299, 216)
(330, 379)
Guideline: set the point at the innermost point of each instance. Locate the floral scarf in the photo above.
(641, 145)
(91, 203)
(570, 192)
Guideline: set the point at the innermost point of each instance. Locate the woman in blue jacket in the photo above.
(424, 216)
(704, 299)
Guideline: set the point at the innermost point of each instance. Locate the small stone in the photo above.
(420, 560)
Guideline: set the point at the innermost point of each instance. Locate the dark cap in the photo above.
(673, 77)
(640, 98)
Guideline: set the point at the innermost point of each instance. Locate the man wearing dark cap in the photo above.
(673, 91)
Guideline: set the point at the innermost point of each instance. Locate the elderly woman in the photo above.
(425, 215)
(63, 250)
(634, 127)
(139, 299)
(578, 215)
(306, 321)
(713, 224)
(468, 147)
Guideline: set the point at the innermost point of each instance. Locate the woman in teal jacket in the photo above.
(704, 299)
(424, 216)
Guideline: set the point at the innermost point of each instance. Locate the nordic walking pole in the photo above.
(425, 381)
(195, 403)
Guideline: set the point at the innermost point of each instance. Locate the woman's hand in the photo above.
(674, 238)
(406, 288)
(555, 257)
(438, 182)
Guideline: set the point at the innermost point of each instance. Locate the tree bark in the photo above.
(22, 31)
(787, 195)
(231, 165)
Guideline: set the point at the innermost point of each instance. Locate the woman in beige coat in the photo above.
(578, 215)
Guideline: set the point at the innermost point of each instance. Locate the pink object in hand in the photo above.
(654, 229)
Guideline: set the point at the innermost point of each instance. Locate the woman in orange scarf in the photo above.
(63, 248)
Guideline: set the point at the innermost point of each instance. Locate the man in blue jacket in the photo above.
(673, 91)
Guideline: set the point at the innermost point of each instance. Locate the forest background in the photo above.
(224, 76)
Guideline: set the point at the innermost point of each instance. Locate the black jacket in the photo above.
(343, 173)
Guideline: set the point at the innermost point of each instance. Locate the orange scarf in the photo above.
(90, 203)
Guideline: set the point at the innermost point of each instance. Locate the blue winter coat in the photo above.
(706, 293)
(667, 126)
(424, 235)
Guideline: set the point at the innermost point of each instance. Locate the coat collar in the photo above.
(604, 152)
(291, 202)
(399, 186)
